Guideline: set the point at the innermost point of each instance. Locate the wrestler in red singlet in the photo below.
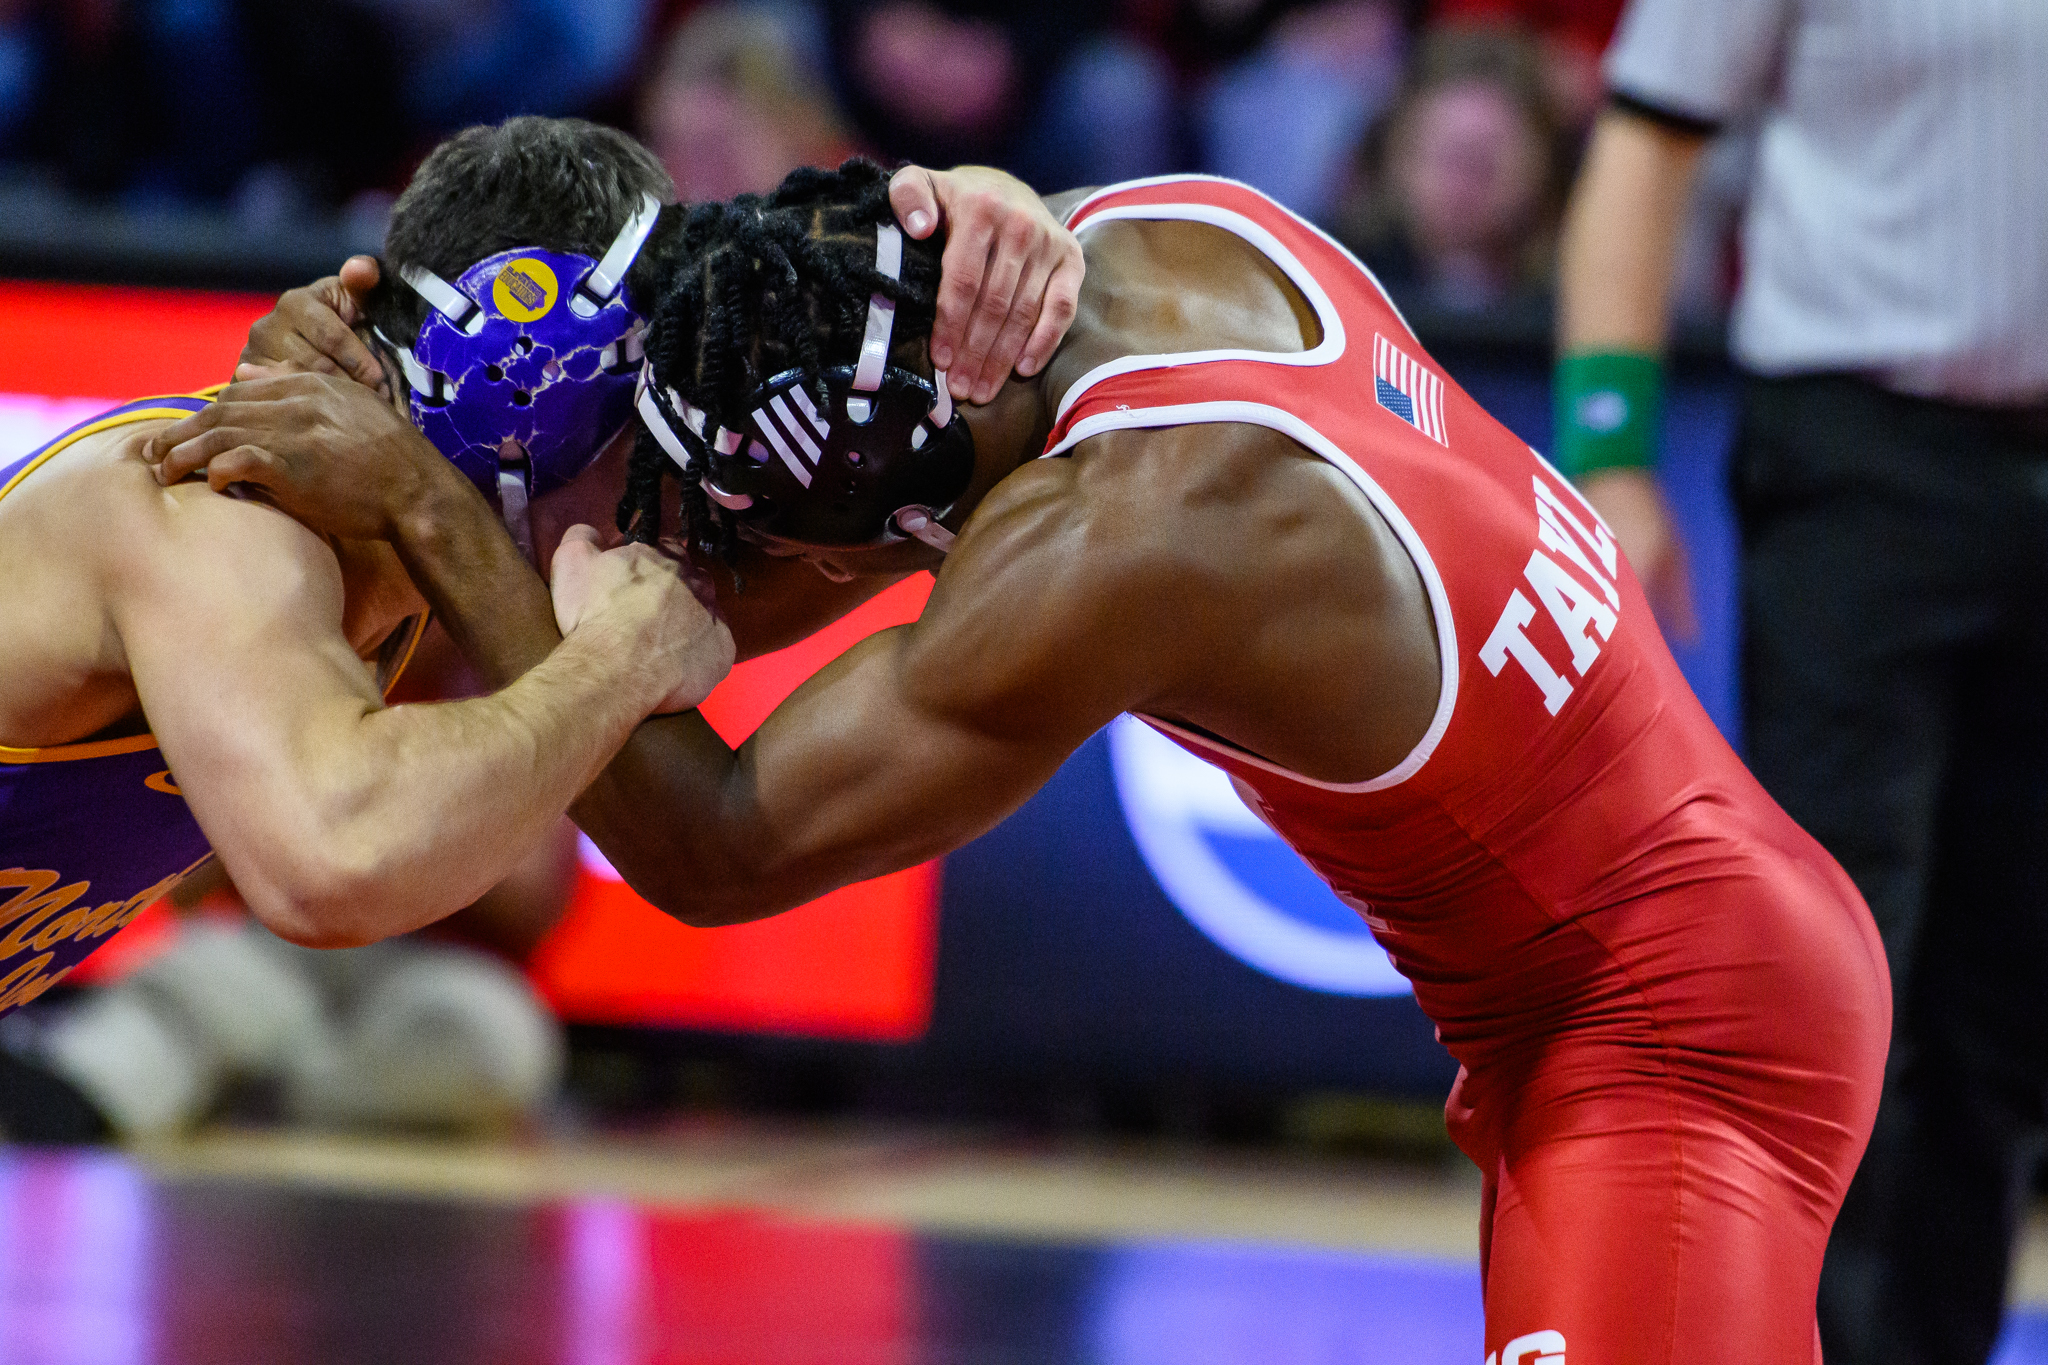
(1670, 1005)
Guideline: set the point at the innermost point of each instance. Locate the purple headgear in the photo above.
(524, 371)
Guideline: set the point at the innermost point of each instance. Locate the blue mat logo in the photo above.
(1235, 879)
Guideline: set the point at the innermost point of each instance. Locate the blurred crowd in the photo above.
(1435, 137)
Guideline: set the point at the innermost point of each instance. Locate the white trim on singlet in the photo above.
(1276, 419)
(1151, 182)
(1286, 423)
(1328, 350)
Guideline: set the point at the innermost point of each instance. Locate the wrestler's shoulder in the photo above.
(81, 493)
(1153, 486)
(141, 530)
(1111, 526)
(1068, 511)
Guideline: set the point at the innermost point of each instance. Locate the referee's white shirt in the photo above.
(1898, 226)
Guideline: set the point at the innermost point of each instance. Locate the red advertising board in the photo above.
(856, 963)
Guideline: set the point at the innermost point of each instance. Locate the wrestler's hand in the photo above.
(326, 450)
(1009, 278)
(646, 597)
(312, 329)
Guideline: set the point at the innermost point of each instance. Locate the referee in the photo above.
(1891, 481)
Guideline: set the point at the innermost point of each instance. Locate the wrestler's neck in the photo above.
(1012, 429)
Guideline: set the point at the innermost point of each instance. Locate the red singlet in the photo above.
(1670, 1005)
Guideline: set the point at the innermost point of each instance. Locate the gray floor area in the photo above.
(929, 1180)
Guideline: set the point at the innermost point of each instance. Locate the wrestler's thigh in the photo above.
(1649, 1239)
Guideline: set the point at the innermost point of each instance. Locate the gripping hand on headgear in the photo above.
(1009, 279)
(646, 604)
(312, 329)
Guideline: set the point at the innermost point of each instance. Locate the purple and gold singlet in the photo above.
(90, 834)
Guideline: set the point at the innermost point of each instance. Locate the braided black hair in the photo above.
(756, 286)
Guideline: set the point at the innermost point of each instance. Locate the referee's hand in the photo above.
(1629, 501)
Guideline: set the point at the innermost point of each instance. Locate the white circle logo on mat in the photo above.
(1234, 878)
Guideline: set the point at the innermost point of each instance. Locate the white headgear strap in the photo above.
(593, 292)
(874, 346)
(459, 308)
(418, 377)
(599, 285)
(657, 421)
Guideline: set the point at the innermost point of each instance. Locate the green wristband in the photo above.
(1610, 407)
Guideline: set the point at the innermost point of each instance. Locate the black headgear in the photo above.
(884, 459)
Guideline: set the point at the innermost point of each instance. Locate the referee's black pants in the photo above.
(1895, 676)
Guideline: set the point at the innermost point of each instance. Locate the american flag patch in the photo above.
(1407, 390)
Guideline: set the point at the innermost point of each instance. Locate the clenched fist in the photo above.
(650, 603)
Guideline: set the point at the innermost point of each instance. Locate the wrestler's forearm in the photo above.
(497, 609)
(1617, 253)
(852, 777)
(665, 813)
(715, 836)
(412, 812)
(488, 598)
(647, 809)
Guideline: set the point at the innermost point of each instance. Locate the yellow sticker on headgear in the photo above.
(525, 290)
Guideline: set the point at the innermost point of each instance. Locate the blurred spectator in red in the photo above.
(1574, 33)
(1286, 116)
(1046, 91)
(1462, 182)
(738, 100)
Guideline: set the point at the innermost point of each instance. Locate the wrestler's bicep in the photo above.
(922, 737)
(230, 615)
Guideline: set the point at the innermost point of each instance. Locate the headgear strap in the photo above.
(874, 346)
(923, 480)
(597, 288)
(650, 413)
(593, 292)
(459, 308)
